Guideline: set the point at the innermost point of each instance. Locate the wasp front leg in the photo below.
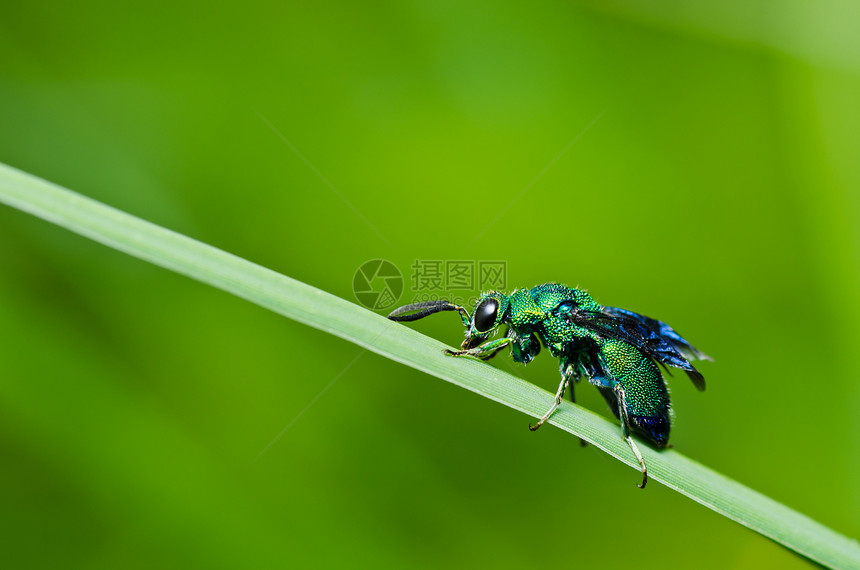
(482, 352)
(524, 346)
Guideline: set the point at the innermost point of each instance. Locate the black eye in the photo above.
(485, 315)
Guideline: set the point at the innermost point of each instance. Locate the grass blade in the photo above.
(326, 312)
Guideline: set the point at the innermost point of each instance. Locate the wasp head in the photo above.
(488, 315)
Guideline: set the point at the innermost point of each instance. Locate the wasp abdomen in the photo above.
(654, 428)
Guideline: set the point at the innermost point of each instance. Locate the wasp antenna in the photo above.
(424, 309)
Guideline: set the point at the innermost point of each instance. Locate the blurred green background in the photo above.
(712, 182)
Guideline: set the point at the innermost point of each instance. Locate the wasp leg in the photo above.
(625, 431)
(483, 352)
(582, 442)
(559, 396)
(490, 355)
(566, 377)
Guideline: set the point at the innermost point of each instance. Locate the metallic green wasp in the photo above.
(617, 350)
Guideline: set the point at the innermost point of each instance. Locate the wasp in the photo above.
(615, 349)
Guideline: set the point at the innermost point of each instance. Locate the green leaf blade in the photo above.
(339, 317)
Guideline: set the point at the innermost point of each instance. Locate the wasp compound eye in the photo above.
(485, 315)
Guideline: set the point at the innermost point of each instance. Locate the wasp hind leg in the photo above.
(625, 431)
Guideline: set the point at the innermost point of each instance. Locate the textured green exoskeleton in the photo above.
(617, 350)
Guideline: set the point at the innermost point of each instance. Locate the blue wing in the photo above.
(689, 351)
(654, 338)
